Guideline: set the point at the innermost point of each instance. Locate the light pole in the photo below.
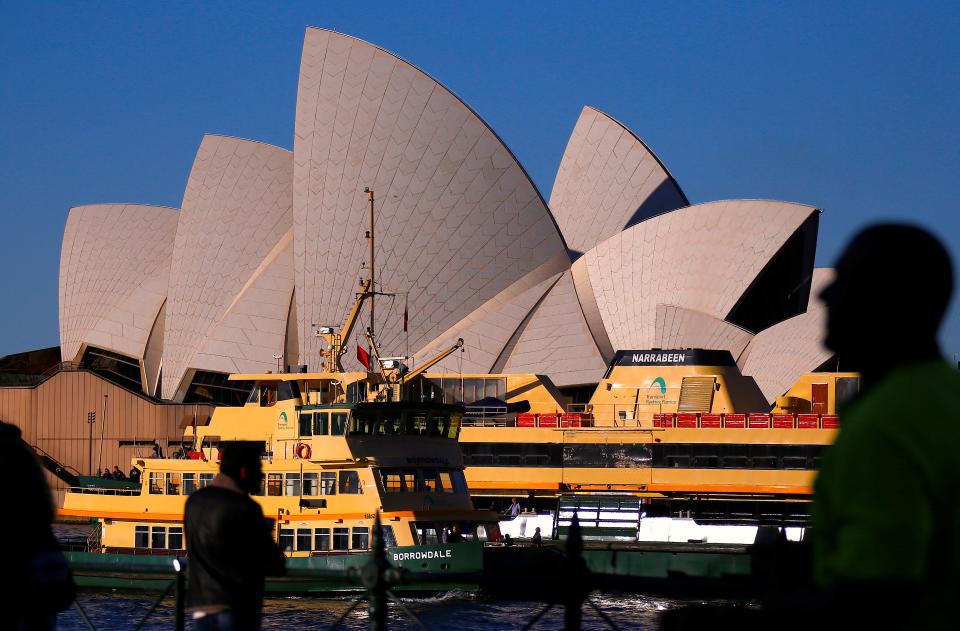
(91, 419)
(278, 358)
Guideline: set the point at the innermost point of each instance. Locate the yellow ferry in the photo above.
(329, 469)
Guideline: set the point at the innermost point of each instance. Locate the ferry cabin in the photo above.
(328, 469)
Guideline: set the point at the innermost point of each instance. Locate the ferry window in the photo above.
(427, 533)
(274, 484)
(288, 390)
(418, 424)
(306, 424)
(156, 483)
(496, 388)
(451, 390)
(338, 423)
(363, 423)
(390, 425)
(321, 423)
(254, 395)
(286, 539)
(268, 396)
(446, 482)
(459, 482)
(341, 538)
(158, 537)
(310, 484)
(391, 481)
(141, 537)
(410, 480)
(328, 483)
(205, 479)
(356, 392)
(304, 536)
(321, 539)
(431, 480)
(292, 487)
(189, 483)
(260, 489)
(453, 427)
(173, 483)
(349, 482)
(472, 390)
(175, 540)
(389, 538)
(846, 387)
(361, 538)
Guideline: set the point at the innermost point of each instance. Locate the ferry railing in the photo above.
(92, 490)
(486, 416)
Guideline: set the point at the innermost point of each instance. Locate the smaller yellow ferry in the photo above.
(329, 469)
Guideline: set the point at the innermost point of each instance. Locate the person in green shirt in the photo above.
(885, 523)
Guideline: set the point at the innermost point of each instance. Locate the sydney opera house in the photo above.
(268, 244)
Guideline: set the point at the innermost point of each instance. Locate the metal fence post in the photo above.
(179, 595)
(577, 577)
(375, 580)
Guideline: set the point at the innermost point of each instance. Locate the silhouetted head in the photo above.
(240, 461)
(892, 286)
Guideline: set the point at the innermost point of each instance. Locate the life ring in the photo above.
(303, 451)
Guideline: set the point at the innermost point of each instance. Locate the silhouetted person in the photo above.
(37, 581)
(118, 474)
(157, 451)
(536, 539)
(886, 511)
(106, 475)
(135, 475)
(454, 536)
(229, 544)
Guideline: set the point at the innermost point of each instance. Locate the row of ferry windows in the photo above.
(331, 539)
(159, 537)
(277, 484)
(379, 423)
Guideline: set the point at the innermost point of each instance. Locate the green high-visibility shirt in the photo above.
(887, 498)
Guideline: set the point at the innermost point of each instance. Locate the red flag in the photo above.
(405, 319)
(363, 357)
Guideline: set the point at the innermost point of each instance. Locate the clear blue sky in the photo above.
(850, 107)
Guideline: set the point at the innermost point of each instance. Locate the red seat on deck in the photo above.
(687, 419)
(831, 421)
(710, 420)
(808, 421)
(570, 420)
(548, 420)
(783, 421)
(758, 420)
(734, 420)
(526, 420)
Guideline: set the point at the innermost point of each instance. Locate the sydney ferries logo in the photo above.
(657, 391)
(282, 421)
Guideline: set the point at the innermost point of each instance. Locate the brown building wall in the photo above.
(53, 417)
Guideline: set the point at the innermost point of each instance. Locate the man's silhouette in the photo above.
(229, 544)
(886, 513)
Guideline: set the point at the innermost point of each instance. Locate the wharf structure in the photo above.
(159, 305)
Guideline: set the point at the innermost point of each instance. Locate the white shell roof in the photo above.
(782, 353)
(701, 257)
(608, 180)
(114, 267)
(556, 341)
(457, 219)
(236, 211)
(678, 327)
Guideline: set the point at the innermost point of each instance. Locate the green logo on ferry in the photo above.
(661, 383)
(282, 421)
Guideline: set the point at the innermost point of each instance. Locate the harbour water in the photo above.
(449, 611)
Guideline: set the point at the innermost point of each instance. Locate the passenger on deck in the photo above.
(514, 510)
(536, 539)
(135, 475)
(157, 451)
(230, 544)
(106, 475)
(118, 474)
